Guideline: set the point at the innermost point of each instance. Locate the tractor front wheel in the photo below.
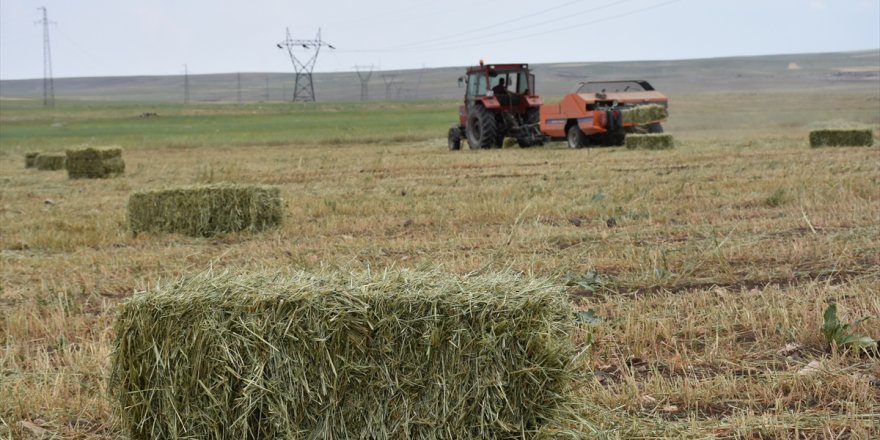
(454, 138)
(576, 137)
(482, 130)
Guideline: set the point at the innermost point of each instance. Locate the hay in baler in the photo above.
(650, 141)
(644, 114)
(94, 163)
(50, 162)
(30, 159)
(841, 138)
(205, 210)
(390, 355)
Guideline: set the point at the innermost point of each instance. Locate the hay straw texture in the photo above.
(94, 163)
(206, 210)
(650, 141)
(841, 138)
(49, 161)
(644, 114)
(394, 355)
(30, 159)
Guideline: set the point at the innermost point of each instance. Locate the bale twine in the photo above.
(94, 163)
(650, 141)
(393, 355)
(50, 161)
(841, 138)
(644, 114)
(30, 159)
(205, 210)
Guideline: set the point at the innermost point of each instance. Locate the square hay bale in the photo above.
(50, 161)
(841, 138)
(205, 210)
(650, 141)
(94, 163)
(30, 159)
(644, 114)
(390, 355)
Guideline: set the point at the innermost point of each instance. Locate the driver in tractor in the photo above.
(500, 89)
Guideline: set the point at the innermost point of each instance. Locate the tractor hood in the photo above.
(625, 97)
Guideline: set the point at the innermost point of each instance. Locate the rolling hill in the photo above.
(677, 77)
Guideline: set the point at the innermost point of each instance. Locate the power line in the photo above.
(303, 88)
(438, 44)
(48, 80)
(457, 36)
(531, 25)
(582, 24)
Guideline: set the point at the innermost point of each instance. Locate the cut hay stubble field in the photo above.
(704, 262)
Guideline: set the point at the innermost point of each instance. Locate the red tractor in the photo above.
(499, 102)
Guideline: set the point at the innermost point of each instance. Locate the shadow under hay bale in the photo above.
(30, 159)
(644, 114)
(205, 210)
(841, 138)
(94, 163)
(392, 355)
(649, 141)
(50, 162)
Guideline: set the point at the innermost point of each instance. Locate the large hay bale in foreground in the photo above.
(394, 355)
(205, 210)
(50, 161)
(644, 114)
(650, 141)
(30, 159)
(841, 138)
(94, 163)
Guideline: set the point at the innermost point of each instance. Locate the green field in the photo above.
(710, 265)
(27, 125)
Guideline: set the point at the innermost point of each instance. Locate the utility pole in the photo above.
(389, 83)
(238, 81)
(267, 88)
(419, 82)
(48, 80)
(364, 76)
(185, 84)
(303, 88)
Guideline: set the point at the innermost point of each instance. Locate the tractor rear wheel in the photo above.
(576, 137)
(454, 138)
(482, 130)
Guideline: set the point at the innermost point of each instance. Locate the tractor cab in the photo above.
(508, 84)
(499, 102)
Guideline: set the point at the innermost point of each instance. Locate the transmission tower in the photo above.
(48, 81)
(389, 83)
(185, 84)
(364, 76)
(303, 88)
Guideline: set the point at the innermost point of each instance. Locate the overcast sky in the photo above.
(157, 37)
